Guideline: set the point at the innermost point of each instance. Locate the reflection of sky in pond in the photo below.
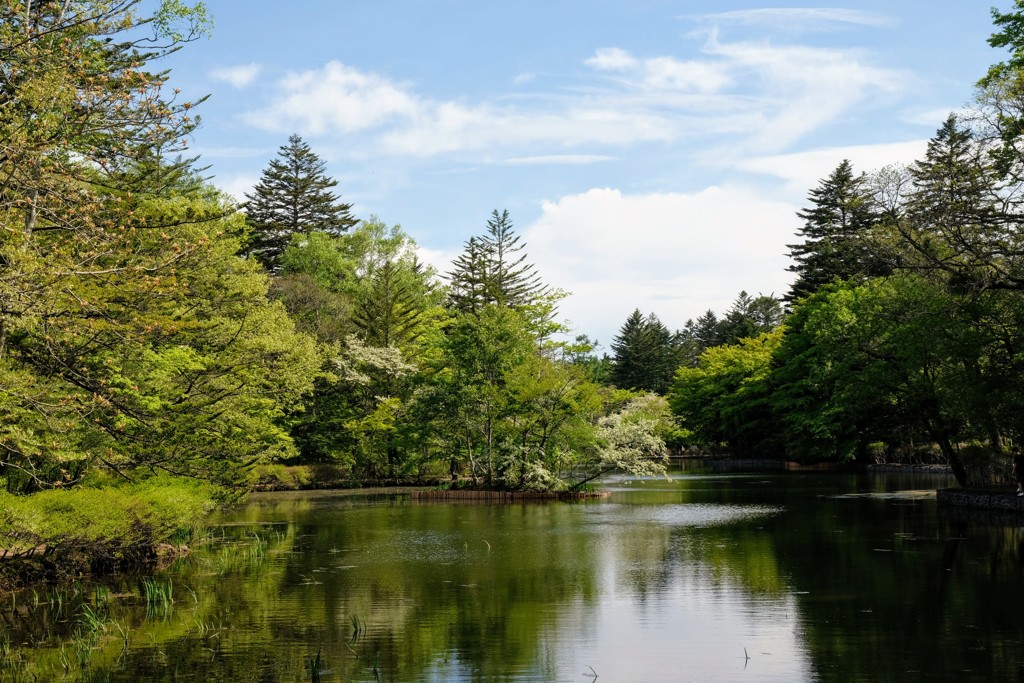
(689, 515)
(666, 603)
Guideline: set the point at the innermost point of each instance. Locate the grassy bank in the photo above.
(60, 534)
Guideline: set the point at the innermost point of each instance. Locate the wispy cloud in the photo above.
(803, 170)
(804, 88)
(764, 96)
(565, 159)
(799, 18)
(933, 117)
(663, 73)
(237, 76)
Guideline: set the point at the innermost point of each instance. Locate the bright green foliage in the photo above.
(483, 354)
(999, 91)
(113, 521)
(398, 297)
(368, 282)
(581, 353)
(747, 317)
(725, 398)
(368, 298)
(355, 415)
(512, 416)
(130, 333)
(185, 369)
(293, 197)
(628, 440)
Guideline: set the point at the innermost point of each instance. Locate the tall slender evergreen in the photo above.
(491, 270)
(834, 229)
(293, 196)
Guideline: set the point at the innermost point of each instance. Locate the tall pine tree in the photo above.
(834, 231)
(491, 270)
(293, 196)
(646, 354)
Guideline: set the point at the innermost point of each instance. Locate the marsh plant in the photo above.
(159, 595)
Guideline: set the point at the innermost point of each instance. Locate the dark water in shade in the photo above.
(704, 577)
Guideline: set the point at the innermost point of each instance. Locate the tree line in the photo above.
(903, 334)
(148, 325)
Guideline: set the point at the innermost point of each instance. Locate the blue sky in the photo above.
(652, 153)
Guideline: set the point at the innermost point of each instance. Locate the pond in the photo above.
(702, 577)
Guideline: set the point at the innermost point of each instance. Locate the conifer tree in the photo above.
(834, 229)
(391, 310)
(492, 271)
(645, 354)
(293, 196)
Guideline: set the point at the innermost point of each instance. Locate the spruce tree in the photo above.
(646, 354)
(293, 196)
(491, 270)
(957, 221)
(834, 229)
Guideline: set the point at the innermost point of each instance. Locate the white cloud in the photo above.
(662, 73)
(237, 76)
(933, 118)
(801, 17)
(613, 59)
(439, 259)
(764, 97)
(237, 185)
(450, 127)
(524, 78)
(804, 88)
(674, 254)
(668, 73)
(336, 98)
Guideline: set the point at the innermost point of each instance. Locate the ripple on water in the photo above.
(684, 514)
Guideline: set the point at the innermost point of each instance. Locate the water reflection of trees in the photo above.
(442, 591)
(895, 601)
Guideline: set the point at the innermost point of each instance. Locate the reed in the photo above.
(315, 667)
(159, 596)
(358, 629)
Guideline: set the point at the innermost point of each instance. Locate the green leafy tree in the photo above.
(582, 354)
(725, 398)
(397, 298)
(628, 440)
(293, 196)
(130, 334)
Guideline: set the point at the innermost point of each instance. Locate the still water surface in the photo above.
(703, 577)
